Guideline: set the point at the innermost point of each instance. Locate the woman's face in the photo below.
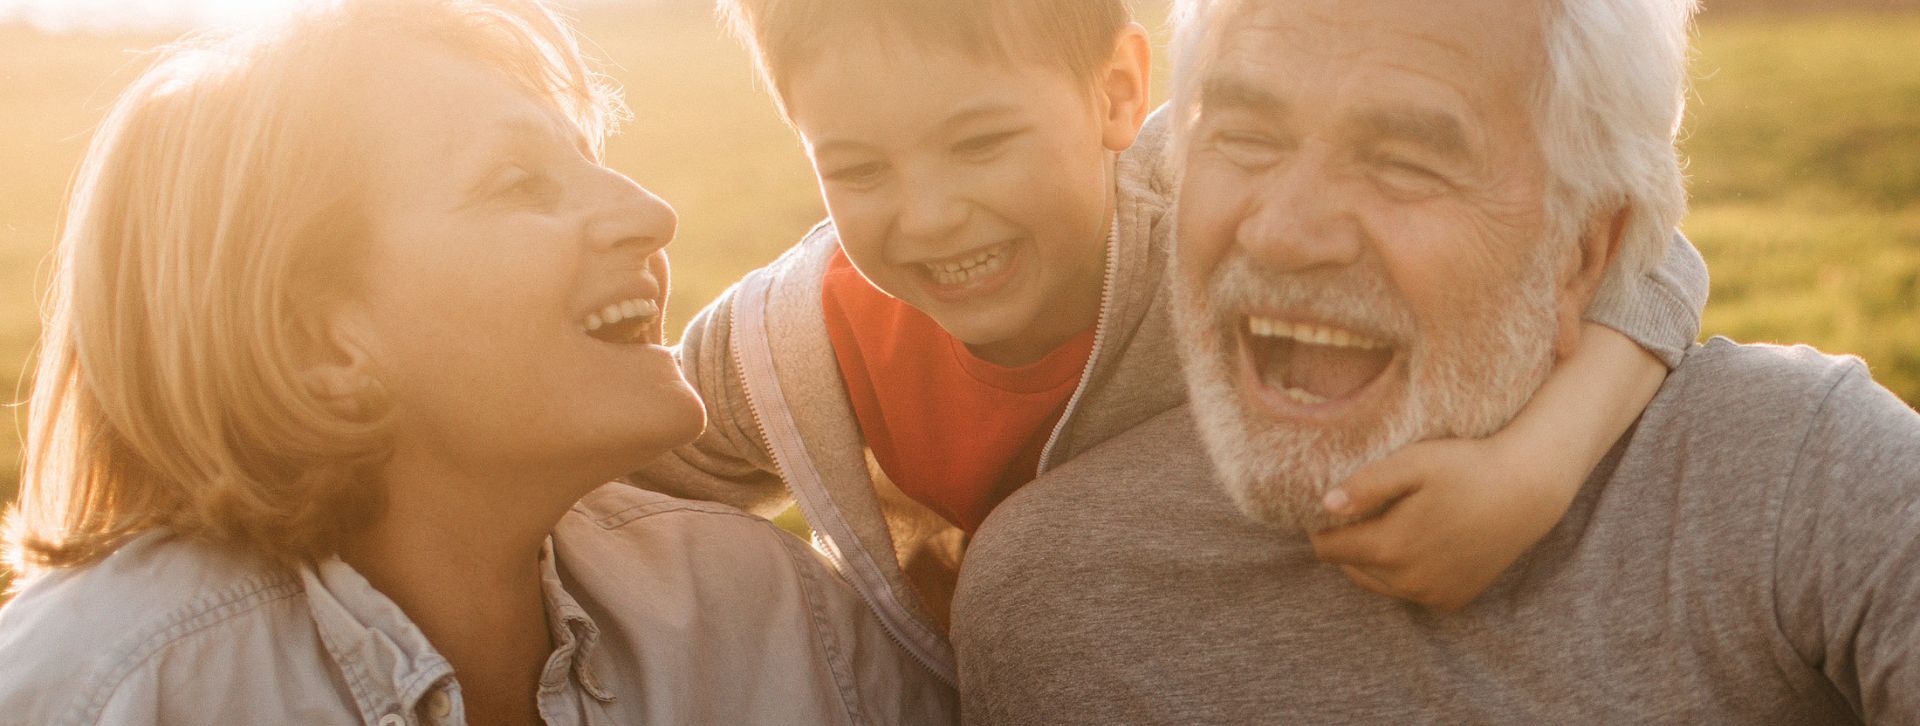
(512, 294)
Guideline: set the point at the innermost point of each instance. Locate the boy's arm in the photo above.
(1660, 308)
(1463, 510)
(728, 463)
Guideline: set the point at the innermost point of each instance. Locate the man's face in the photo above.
(1361, 260)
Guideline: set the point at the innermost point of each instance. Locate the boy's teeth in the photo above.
(970, 269)
(1311, 334)
(636, 308)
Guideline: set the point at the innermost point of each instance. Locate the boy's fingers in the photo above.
(1354, 544)
(1378, 484)
(1366, 580)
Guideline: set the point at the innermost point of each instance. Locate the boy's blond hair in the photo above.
(1075, 36)
(215, 215)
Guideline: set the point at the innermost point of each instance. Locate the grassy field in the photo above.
(1804, 143)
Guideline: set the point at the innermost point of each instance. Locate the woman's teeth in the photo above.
(620, 312)
(970, 269)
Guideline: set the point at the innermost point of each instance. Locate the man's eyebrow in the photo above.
(1439, 131)
(1229, 92)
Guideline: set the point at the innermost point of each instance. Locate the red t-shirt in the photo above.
(956, 433)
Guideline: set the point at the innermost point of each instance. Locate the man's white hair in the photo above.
(1607, 109)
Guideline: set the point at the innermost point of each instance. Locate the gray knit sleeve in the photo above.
(1660, 308)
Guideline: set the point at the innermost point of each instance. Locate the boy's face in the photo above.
(977, 192)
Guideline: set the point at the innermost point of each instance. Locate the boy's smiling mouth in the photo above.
(976, 272)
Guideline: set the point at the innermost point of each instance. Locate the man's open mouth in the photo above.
(626, 322)
(1313, 363)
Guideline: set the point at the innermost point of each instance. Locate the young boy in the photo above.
(986, 302)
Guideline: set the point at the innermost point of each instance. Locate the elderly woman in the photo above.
(349, 327)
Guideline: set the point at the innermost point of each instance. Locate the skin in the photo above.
(494, 232)
(927, 155)
(1392, 142)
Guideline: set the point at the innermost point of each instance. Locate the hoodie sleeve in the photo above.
(729, 463)
(1660, 308)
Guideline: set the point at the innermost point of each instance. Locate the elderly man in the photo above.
(1392, 213)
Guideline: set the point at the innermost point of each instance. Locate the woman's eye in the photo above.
(857, 174)
(984, 144)
(523, 183)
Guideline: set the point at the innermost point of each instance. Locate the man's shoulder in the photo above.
(1157, 471)
(1757, 392)
(1722, 366)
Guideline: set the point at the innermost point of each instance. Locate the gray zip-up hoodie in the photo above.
(781, 429)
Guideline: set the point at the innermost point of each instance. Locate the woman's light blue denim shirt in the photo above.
(662, 610)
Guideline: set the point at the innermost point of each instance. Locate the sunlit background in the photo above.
(1803, 141)
(62, 16)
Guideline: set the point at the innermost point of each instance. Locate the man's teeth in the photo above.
(620, 312)
(967, 270)
(1311, 334)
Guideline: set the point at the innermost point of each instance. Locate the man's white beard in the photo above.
(1467, 380)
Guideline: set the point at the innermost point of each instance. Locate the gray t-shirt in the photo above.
(1748, 553)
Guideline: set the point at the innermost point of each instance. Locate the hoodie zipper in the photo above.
(749, 324)
(1099, 337)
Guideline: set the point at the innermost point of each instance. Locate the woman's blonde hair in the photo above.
(215, 214)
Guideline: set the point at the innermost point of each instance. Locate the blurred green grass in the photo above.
(1804, 141)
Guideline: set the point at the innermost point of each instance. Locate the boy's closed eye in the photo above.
(985, 145)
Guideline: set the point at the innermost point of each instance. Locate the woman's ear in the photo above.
(1123, 86)
(1579, 281)
(336, 368)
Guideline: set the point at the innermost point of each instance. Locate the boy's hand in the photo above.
(1454, 520)
(1458, 512)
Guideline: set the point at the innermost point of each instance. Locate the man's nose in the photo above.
(1303, 217)
(627, 215)
(931, 208)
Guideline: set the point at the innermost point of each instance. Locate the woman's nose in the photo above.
(627, 215)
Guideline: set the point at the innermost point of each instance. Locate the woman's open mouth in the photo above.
(1312, 367)
(629, 322)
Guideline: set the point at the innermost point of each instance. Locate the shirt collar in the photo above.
(389, 663)
(575, 635)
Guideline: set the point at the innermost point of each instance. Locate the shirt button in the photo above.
(392, 719)
(439, 704)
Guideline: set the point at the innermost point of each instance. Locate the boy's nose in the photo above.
(930, 210)
(627, 215)
(1301, 218)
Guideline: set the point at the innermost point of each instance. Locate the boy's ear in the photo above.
(1579, 282)
(1122, 87)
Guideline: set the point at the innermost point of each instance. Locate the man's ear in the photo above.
(336, 367)
(1580, 279)
(1122, 87)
